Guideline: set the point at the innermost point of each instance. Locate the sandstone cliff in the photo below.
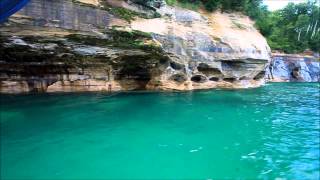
(112, 45)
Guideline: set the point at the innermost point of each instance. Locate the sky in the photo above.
(279, 4)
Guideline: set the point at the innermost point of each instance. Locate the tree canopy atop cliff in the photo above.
(292, 29)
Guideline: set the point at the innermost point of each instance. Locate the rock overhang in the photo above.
(183, 50)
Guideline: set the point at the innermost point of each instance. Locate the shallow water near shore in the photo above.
(271, 132)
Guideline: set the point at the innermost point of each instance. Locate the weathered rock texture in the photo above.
(84, 45)
(293, 68)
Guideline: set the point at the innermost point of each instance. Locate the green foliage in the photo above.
(119, 35)
(127, 14)
(187, 4)
(118, 38)
(233, 5)
(151, 4)
(292, 29)
(171, 2)
(123, 13)
(211, 5)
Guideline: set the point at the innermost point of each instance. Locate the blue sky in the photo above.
(279, 4)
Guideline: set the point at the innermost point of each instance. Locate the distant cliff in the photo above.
(86, 45)
(293, 68)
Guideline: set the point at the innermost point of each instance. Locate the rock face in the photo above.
(61, 45)
(293, 68)
(150, 3)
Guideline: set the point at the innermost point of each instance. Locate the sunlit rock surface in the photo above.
(83, 46)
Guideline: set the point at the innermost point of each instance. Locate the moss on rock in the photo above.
(122, 39)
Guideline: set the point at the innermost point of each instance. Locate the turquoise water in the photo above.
(269, 132)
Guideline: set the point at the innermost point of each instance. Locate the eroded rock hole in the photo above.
(203, 66)
(231, 65)
(214, 79)
(178, 78)
(260, 75)
(206, 69)
(198, 78)
(163, 61)
(295, 73)
(140, 75)
(230, 79)
(176, 66)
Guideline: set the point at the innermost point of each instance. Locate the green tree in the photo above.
(211, 5)
(293, 29)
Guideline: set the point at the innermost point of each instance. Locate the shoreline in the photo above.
(151, 91)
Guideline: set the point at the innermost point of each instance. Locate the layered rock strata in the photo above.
(52, 46)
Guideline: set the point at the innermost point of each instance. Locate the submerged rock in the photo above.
(87, 46)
